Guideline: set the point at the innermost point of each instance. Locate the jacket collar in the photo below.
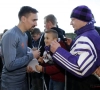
(84, 29)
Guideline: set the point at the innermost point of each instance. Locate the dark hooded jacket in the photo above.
(61, 34)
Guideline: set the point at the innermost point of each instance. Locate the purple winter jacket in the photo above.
(84, 56)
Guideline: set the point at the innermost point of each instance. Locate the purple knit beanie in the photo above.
(82, 13)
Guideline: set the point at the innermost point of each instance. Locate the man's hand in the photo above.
(39, 68)
(40, 59)
(54, 46)
(29, 69)
(34, 49)
(97, 71)
(36, 53)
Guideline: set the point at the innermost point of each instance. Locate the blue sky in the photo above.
(60, 8)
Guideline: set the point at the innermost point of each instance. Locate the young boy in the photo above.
(56, 73)
(38, 39)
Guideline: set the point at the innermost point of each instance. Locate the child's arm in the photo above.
(53, 69)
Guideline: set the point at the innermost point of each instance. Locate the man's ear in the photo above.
(23, 18)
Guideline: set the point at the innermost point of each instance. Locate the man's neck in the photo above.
(21, 27)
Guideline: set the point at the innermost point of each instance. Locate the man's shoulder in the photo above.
(11, 33)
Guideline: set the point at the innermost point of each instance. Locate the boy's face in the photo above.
(36, 37)
(48, 38)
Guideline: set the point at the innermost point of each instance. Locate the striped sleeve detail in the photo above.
(85, 50)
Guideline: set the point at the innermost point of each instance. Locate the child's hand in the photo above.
(97, 71)
(40, 59)
(69, 40)
(38, 68)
